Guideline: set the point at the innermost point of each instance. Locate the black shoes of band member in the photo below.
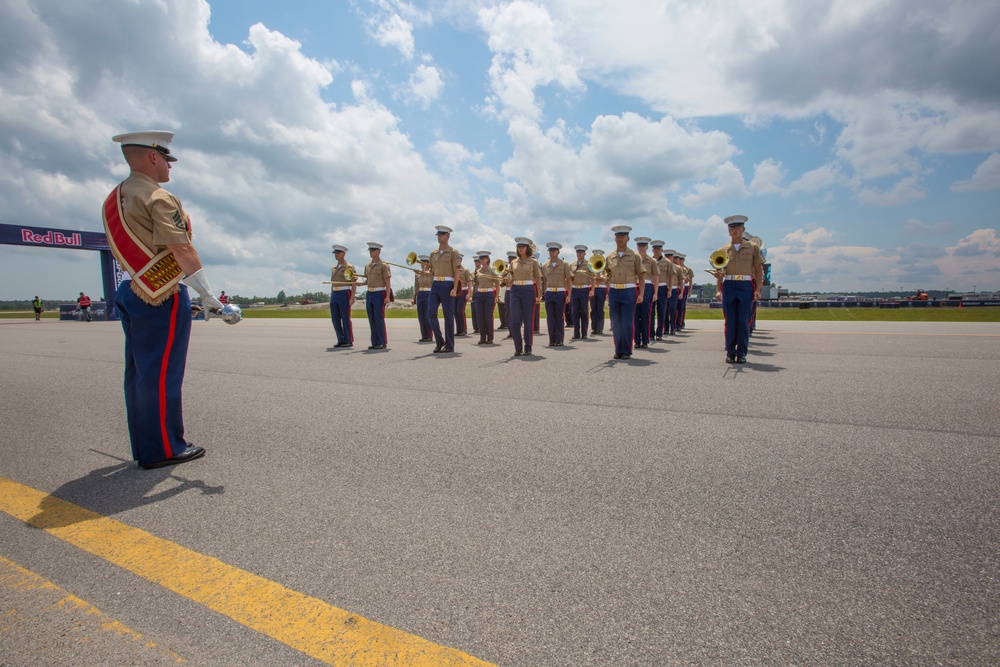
(577, 337)
(618, 356)
(190, 454)
(730, 358)
(482, 341)
(741, 360)
(446, 350)
(376, 347)
(489, 341)
(425, 340)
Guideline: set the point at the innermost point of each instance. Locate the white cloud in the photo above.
(397, 32)
(985, 178)
(903, 192)
(728, 184)
(426, 84)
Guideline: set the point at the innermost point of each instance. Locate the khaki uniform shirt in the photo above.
(422, 281)
(155, 216)
(582, 276)
(466, 277)
(525, 269)
(744, 261)
(337, 273)
(378, 274)
(444, 262)
(485, 279)
(667, 276)
(556, 276)
(624, 269)
(650, 268)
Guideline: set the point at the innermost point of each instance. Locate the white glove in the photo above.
(199, 283)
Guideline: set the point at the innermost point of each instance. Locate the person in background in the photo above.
(37, 305)
(84, 302)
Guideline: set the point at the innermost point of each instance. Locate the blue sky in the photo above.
(862, 139)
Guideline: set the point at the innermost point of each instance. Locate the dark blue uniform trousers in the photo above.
(375, 307)
(340, 313)
(522, 313)
(660, 311)
(555, 303)
(482, 308)
(425, 326)
(459, 312)
(621, 307)
(579, 304)
(441, 296)
(671, 324)
(156, 344)
(737, 299)
(643, 313)
(597, 308)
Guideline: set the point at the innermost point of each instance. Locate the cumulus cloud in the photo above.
(426, 84)
(902, 192)
(986, 177)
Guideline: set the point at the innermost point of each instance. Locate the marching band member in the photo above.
(599, 298)
(665, 268)
(746, 264)
(446, 267)
(648, 289)
(379, 282)
(485, 299)
(685, 291)
(149, 233)
(676, 286)
(558, 278)
(525, 295)
(421, 291)
(625, 273)
(342, 298)
(583, 291)
(511, 254)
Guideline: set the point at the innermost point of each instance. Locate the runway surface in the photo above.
(832, 502)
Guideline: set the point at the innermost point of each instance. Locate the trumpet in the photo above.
(719, 259)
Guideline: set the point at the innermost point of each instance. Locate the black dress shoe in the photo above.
(438, 349)
(626, 356)
(527, 352)
(618, 356)
(425, 340)
(373, 347)
(730, 358)
(741, 360)
(348, 345)
(577, 338)
(446, 350)
(190, 454)
(481, 342)
(489, 341)
(583, 337)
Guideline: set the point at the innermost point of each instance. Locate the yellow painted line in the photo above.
(305, 623)
(85, 618)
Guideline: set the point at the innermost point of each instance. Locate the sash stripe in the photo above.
(164, 367)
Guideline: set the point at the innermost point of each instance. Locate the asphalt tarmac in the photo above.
(832, 502)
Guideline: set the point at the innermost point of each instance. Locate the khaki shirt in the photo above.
(582, 277)
(422, 281)
(155, 216)
(688, 274)
(466, 277)
(525, 269)
(666, 269)
(556, 276)
(743, 262)
(337, 273)
(378, 274)
(650, 268)
(624, 269)
(485, 279)
(444, 262)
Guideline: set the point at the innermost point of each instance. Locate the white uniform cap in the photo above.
(669, 253)
(598, 251)
(339, 248)
(511, 254)
(374, 246)
(736, 220)
(156, 139)
(483, 253)
(424, 258)
(522, 240)
(621, 229)
(657, 243)
(552, 245)
(681, 255)
(441, 229)
(581, 248)
(644, 240)
(747, 235)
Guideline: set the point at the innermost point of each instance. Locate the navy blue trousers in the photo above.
(579, 305)
(621, 307)
(660, 311)
(441, 296)
(156, 344)
(643, 313)
(597, 308)
(425, 327)
(459, 313)
(522, 313)
(340, 313)
(737, 300)
(672, 311)
(375, 307)
(482, 308)
(555, 304)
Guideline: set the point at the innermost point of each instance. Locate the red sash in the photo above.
(154, 275)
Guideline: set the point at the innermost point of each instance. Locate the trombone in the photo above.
(719, 259)
(411, 259)
(350, 275)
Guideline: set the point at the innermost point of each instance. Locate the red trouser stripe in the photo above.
(164, 365)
